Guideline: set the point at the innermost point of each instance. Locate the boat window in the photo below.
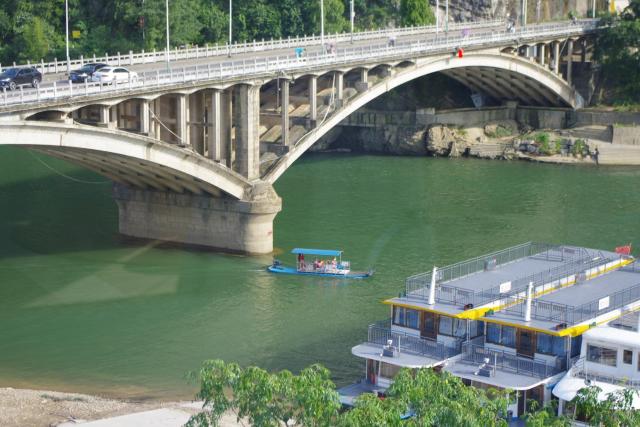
(445, 326)
(388, 370)
(576, 345)
(508, 336)
(406, 317)
(493, 333)
(602, 355)
(627, 357)
(549, 344)
(476, 328)
(502, 335)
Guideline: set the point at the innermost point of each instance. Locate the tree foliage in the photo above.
(615, 411)
(416, 13)
(310, 399)
(618, 49)
(35, 29)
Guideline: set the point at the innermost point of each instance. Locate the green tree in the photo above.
(35, 42)
(416, 13)
(618, 49)
(616, 410)
(310, 399)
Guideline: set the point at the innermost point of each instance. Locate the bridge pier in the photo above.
(556, 57)
(229, 225)
(313, 102)
(339, 89)
(569, 60)
(247, 131)
(284, 111)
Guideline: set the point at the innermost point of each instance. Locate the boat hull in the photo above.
(280, 269)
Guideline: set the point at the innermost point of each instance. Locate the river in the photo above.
(82, 310)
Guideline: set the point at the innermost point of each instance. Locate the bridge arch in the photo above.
(522, 75)
(128, 158)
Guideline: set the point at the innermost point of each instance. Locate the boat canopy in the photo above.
(318, 252)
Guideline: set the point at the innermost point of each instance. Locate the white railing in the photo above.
(270, 66)
(197, 52)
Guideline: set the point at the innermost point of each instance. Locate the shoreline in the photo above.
(44, 408)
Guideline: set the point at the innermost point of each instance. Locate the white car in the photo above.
(114, 74)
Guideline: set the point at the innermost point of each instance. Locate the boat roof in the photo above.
(319, 252)
(615, 336)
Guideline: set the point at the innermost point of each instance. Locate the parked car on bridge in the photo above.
(85, 72)
(14, 77)
(114, 75)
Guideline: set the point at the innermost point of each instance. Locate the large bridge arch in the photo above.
(525, 75)
(128, 158)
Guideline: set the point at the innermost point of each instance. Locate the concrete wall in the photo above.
(628, 135)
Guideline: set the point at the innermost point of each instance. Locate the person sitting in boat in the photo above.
(334, 262)
(315, 264)
(321, 264)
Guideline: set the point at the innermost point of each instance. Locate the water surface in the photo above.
(82, 310)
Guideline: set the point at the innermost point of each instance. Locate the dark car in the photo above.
(85, 72)
(11, 78)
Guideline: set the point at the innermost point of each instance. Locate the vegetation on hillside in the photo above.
(618, 50)
(35, 29)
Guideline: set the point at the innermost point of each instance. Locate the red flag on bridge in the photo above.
(624, 250)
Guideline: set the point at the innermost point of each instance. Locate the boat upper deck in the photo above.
(582, 302)
(492, 277)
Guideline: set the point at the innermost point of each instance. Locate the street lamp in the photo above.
(230, 26)
(446, 16)
(66, 14)
(167, 17)
(322, 22)
(593, 10)
(352, 14)
(437, 14)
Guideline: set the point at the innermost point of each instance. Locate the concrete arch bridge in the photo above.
(194, 151)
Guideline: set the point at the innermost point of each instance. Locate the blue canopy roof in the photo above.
(319, 252)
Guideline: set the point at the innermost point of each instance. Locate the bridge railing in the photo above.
(269, 66)
(197, 52)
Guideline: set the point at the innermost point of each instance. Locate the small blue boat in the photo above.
(326, 263)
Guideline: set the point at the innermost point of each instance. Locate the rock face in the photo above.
(445, 141)
(537, 10)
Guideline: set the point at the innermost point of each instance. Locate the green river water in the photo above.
(81, 310)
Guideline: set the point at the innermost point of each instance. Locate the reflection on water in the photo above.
(81, 310)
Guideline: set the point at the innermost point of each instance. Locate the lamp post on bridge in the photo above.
(446, 16)
(66, 14)
(593, 9)
(437, 15)
(230, 27)
(322, 23)
(352, 15)
(167, 24)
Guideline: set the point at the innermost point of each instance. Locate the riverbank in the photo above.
(39, 408)
(505, 132)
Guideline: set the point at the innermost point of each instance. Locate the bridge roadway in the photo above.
(194, 151)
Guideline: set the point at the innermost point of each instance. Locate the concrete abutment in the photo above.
(240, 226)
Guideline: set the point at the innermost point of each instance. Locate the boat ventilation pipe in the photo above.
(527, 310)
(432, 288)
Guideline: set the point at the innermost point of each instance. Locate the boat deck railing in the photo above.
(573, 314)
(579, 371)
(498, 360)
(576, 260)
(381, 334)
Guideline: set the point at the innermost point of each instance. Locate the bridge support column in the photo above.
(556, 57)
(339, 89)
(182, 112)
(214, 134)
(104, 116)
(247, 131)
(569, 60)
(363, 84)
(284, 111)
(313, 101)
(541, 54)
(195, 122)
(144, 116)
(226, 126)
(239, 226)
(583, 51)
(113, 117)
